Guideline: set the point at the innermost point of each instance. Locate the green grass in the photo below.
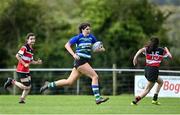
(56, 104)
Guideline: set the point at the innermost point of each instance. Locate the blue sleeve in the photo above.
(93, 38)
(73, 40)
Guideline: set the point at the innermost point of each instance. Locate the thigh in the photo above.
(87, 70)
(24, 78)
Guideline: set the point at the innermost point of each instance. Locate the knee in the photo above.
(160, 82)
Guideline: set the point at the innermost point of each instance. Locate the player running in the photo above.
(25, 58)
(154, 55)
(82, 58)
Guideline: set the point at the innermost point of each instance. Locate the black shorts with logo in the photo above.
(81, 61)
(151, 73)
(24, 78)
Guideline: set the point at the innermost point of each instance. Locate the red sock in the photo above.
(138, 98)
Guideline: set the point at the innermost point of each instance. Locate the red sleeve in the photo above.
(22, 50)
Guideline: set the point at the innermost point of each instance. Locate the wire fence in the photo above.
(113, 81)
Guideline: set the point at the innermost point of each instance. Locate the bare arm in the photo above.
(39, 61)
(168, 52)
(137, 54)
(69, 49)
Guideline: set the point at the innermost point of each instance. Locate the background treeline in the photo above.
(124, 26)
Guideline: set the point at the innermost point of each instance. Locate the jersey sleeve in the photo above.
(93, 39)
(21, 51)
(73, 40)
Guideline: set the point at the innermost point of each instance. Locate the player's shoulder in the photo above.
(24, 47)
(91, 35)
(77, 36)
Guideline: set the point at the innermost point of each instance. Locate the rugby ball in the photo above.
(97, 45)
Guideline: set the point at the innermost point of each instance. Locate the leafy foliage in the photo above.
(123, 26)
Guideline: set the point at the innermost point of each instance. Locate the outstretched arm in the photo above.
(168, 52)
(137, 54)
(39, 61)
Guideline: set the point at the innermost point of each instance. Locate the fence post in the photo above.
(14, 77)
(114, 80)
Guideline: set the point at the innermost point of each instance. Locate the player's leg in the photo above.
(11, 81)
(26, 81)
(75, 74)
(8, 83)
(147, 89)
(87, 70)
(20, 85)
(144, 93)
(23, 96)
(155, 97)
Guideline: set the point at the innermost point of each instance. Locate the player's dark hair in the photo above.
(82, 26)
(29, 35)
(153, 44)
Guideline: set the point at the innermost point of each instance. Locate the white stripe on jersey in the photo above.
(152, 61)
(84, 44)
(21, 52)
(26, 58)
(83, 50)
(83, 55)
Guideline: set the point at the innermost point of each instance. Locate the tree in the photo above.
(123, 26)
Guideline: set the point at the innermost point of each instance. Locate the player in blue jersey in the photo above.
(82, 57)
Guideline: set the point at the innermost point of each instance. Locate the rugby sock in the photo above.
(52, 85)
(95, 89)
(155, 97)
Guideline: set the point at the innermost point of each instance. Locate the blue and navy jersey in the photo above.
(83, 44)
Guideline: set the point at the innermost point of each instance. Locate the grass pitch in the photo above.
(80, 104)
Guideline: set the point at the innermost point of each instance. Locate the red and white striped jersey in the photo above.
(154, 58)
(26, 54)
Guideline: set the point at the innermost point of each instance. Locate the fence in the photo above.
(112, 81)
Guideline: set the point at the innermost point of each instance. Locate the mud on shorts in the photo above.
(24, 78)
(151, 73)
